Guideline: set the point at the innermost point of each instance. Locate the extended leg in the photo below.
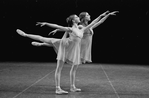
(72, 79)
(36, 37)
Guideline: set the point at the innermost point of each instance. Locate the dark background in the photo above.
(120, 39)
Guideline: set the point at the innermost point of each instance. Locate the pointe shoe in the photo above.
(40, 44)
(36, 44)
(21, 32)
(75, 90)
(61, 92)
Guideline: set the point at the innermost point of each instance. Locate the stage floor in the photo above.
(36, 80)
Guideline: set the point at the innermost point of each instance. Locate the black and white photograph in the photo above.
(74, 49)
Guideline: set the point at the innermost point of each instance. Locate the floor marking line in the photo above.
(33, 84)
(110, 82)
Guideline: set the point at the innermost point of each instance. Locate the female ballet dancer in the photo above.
(86, 42)
(67, 49)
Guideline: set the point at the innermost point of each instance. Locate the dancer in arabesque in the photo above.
(67, 48)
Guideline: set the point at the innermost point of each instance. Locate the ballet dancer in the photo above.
(86, 42)
(68, 49)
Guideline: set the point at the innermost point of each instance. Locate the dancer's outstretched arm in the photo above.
(103, 19)
(54, 26)
(99, 17)
(95, 20)
(54, 31)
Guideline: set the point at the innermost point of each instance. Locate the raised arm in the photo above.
(54, 26)
(95, 20)
(103, 19)
(99, 17)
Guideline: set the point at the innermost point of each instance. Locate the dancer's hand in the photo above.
(41, 23)
(104, 14)
(54, 31)
(113, 13)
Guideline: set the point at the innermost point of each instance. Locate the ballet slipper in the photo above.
(21, 33)
(40, 44)
(75, 89)
(36, 44)
(60, 91)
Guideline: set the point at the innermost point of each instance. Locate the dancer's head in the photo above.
(84, 16)
(72, 19)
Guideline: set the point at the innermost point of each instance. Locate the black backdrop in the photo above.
(120, 39)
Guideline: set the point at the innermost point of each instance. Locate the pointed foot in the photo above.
(20, 32)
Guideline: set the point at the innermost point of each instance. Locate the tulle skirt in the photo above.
(73, 50)
(68, 50)
(86, 46)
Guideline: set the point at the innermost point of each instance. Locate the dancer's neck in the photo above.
(85, 23)
(75, 25)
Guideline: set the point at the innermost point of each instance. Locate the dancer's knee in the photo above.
(60, 64)
(74, 67)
